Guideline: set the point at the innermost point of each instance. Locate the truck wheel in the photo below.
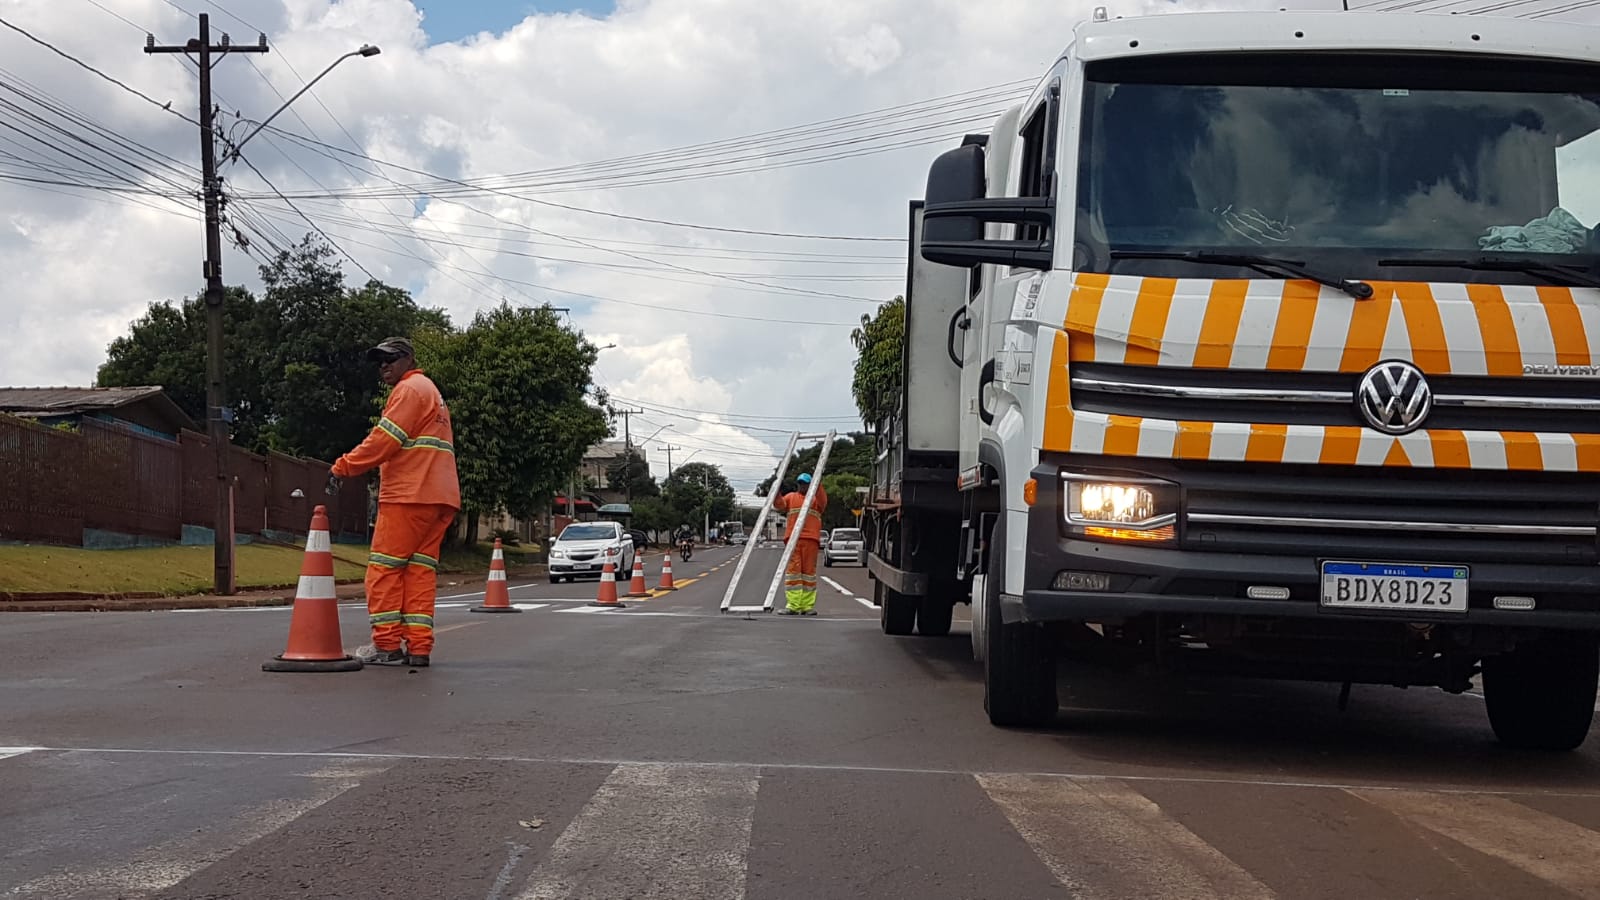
(1541, 695)
(933, 616)
(1019, 674)
(897, 613)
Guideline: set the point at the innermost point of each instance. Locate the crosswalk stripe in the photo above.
(1103, 839)
(163, 865)
(653, 832)
(1543, 845)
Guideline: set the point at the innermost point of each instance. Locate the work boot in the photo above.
(788, 612)
(808, 612)
(372, 656)
(417, 661)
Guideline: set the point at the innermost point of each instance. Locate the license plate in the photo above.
(581, 567)
(1394, 588)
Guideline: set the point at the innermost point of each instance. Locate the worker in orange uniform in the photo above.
(418, 497)
(800, 579)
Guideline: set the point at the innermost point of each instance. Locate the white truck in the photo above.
(1264, 343)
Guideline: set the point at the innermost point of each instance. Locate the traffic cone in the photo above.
(314, 643)
(666, 575)
(608, 588)
(496, 596)
(636, 588)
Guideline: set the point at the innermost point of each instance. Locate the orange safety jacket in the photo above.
(791, 503)
(411, 447)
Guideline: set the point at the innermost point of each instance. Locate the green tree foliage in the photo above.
(515, 381)
(294, 359)
(880, 343)
(653, 515)
(842, 498)
(851, 454)
(636, 469)
(697, 490)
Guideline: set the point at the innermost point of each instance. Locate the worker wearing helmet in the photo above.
(800, 579)
(418, 496)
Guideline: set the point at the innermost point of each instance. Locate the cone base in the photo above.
(667, 588)
(279, 664)
(637, 594)
(494, 609)
(618, 605)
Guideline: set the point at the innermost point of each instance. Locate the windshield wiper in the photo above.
(1269, 265)
(1567, 275)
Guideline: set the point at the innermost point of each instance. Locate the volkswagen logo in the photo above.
(1393, 397)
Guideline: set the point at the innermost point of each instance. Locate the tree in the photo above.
(851, 454)
(651, 514)
(842, 498)
(632, 467)
(298, 380)
(515, 381)
(698, 490)
(880, 344)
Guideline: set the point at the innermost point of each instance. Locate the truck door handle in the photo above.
(985, 378)
(961, 320)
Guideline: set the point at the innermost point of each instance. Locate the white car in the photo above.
(583, 549)
(845, 545)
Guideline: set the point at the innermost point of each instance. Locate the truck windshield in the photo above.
(1340, 162)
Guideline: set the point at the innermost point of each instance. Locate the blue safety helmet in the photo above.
(805, 478)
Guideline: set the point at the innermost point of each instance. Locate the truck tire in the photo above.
(933, 616)
(897, 613)
(1019, 674)
(1541, 695)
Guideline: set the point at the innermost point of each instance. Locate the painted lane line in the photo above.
(837, 586)
(1443, 788)
(8, 752)
(457, 626)
(530, 605)
(865, 602)
(503, 880)
(1068, 822)
(654, 832)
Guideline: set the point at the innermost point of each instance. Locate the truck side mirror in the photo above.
(957, 176)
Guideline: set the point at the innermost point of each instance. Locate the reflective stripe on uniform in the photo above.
(388, 427)
(424, 560)
(418, 620)
(425, 442)
(384, 618)
(386, 561)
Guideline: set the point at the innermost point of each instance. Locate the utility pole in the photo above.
(627, 448)
(218, 417)
(669, 448)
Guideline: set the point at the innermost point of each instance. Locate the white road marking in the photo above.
(1070, 824)
(1447, 789)
(503, 880)
(530, 605)
(849, 593)
(163, 865)
(8, 752)
(653, 832)
(1543, 845)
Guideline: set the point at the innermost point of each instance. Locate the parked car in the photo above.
(844, 545)
(583, 549)
(824, 538)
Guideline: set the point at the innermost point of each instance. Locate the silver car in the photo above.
(583, 548)
(844, 545)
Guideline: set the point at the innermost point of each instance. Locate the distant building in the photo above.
(597, 464)
(146, 409)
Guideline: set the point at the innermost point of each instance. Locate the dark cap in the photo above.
(389, 348)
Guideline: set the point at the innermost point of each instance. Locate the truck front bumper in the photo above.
(1180, 581)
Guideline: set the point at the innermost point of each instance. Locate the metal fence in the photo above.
(59, 486)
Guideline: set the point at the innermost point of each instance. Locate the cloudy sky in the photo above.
(717, 187)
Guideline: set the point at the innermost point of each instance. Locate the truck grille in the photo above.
(1370, 514)
(1463, 402)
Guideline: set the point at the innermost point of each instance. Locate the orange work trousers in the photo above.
(800, 579)
(402, 574)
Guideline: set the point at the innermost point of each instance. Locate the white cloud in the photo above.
(553, 91)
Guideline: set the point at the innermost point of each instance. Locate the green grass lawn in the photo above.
(174, 571)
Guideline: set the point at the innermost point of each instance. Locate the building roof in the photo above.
(40, 402)
(611, 450)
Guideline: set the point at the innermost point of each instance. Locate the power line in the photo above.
(166, 107)
(308, 220)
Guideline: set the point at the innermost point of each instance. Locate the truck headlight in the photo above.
(1121, 509)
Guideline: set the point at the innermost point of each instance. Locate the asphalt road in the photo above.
(669, 751)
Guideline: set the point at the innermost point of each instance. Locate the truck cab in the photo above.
(1270, 351)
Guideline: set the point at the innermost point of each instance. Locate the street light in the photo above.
(657, 431)
(364, 51)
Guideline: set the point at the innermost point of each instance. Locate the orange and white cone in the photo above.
(496, 594)
(314, 642)
(637, 587)
(666, 575)
(607, 597)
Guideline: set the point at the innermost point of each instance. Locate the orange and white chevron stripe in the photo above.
(1510, 332)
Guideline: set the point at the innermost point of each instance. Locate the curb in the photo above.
(136, 601)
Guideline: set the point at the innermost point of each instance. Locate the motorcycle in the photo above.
(686, 549)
